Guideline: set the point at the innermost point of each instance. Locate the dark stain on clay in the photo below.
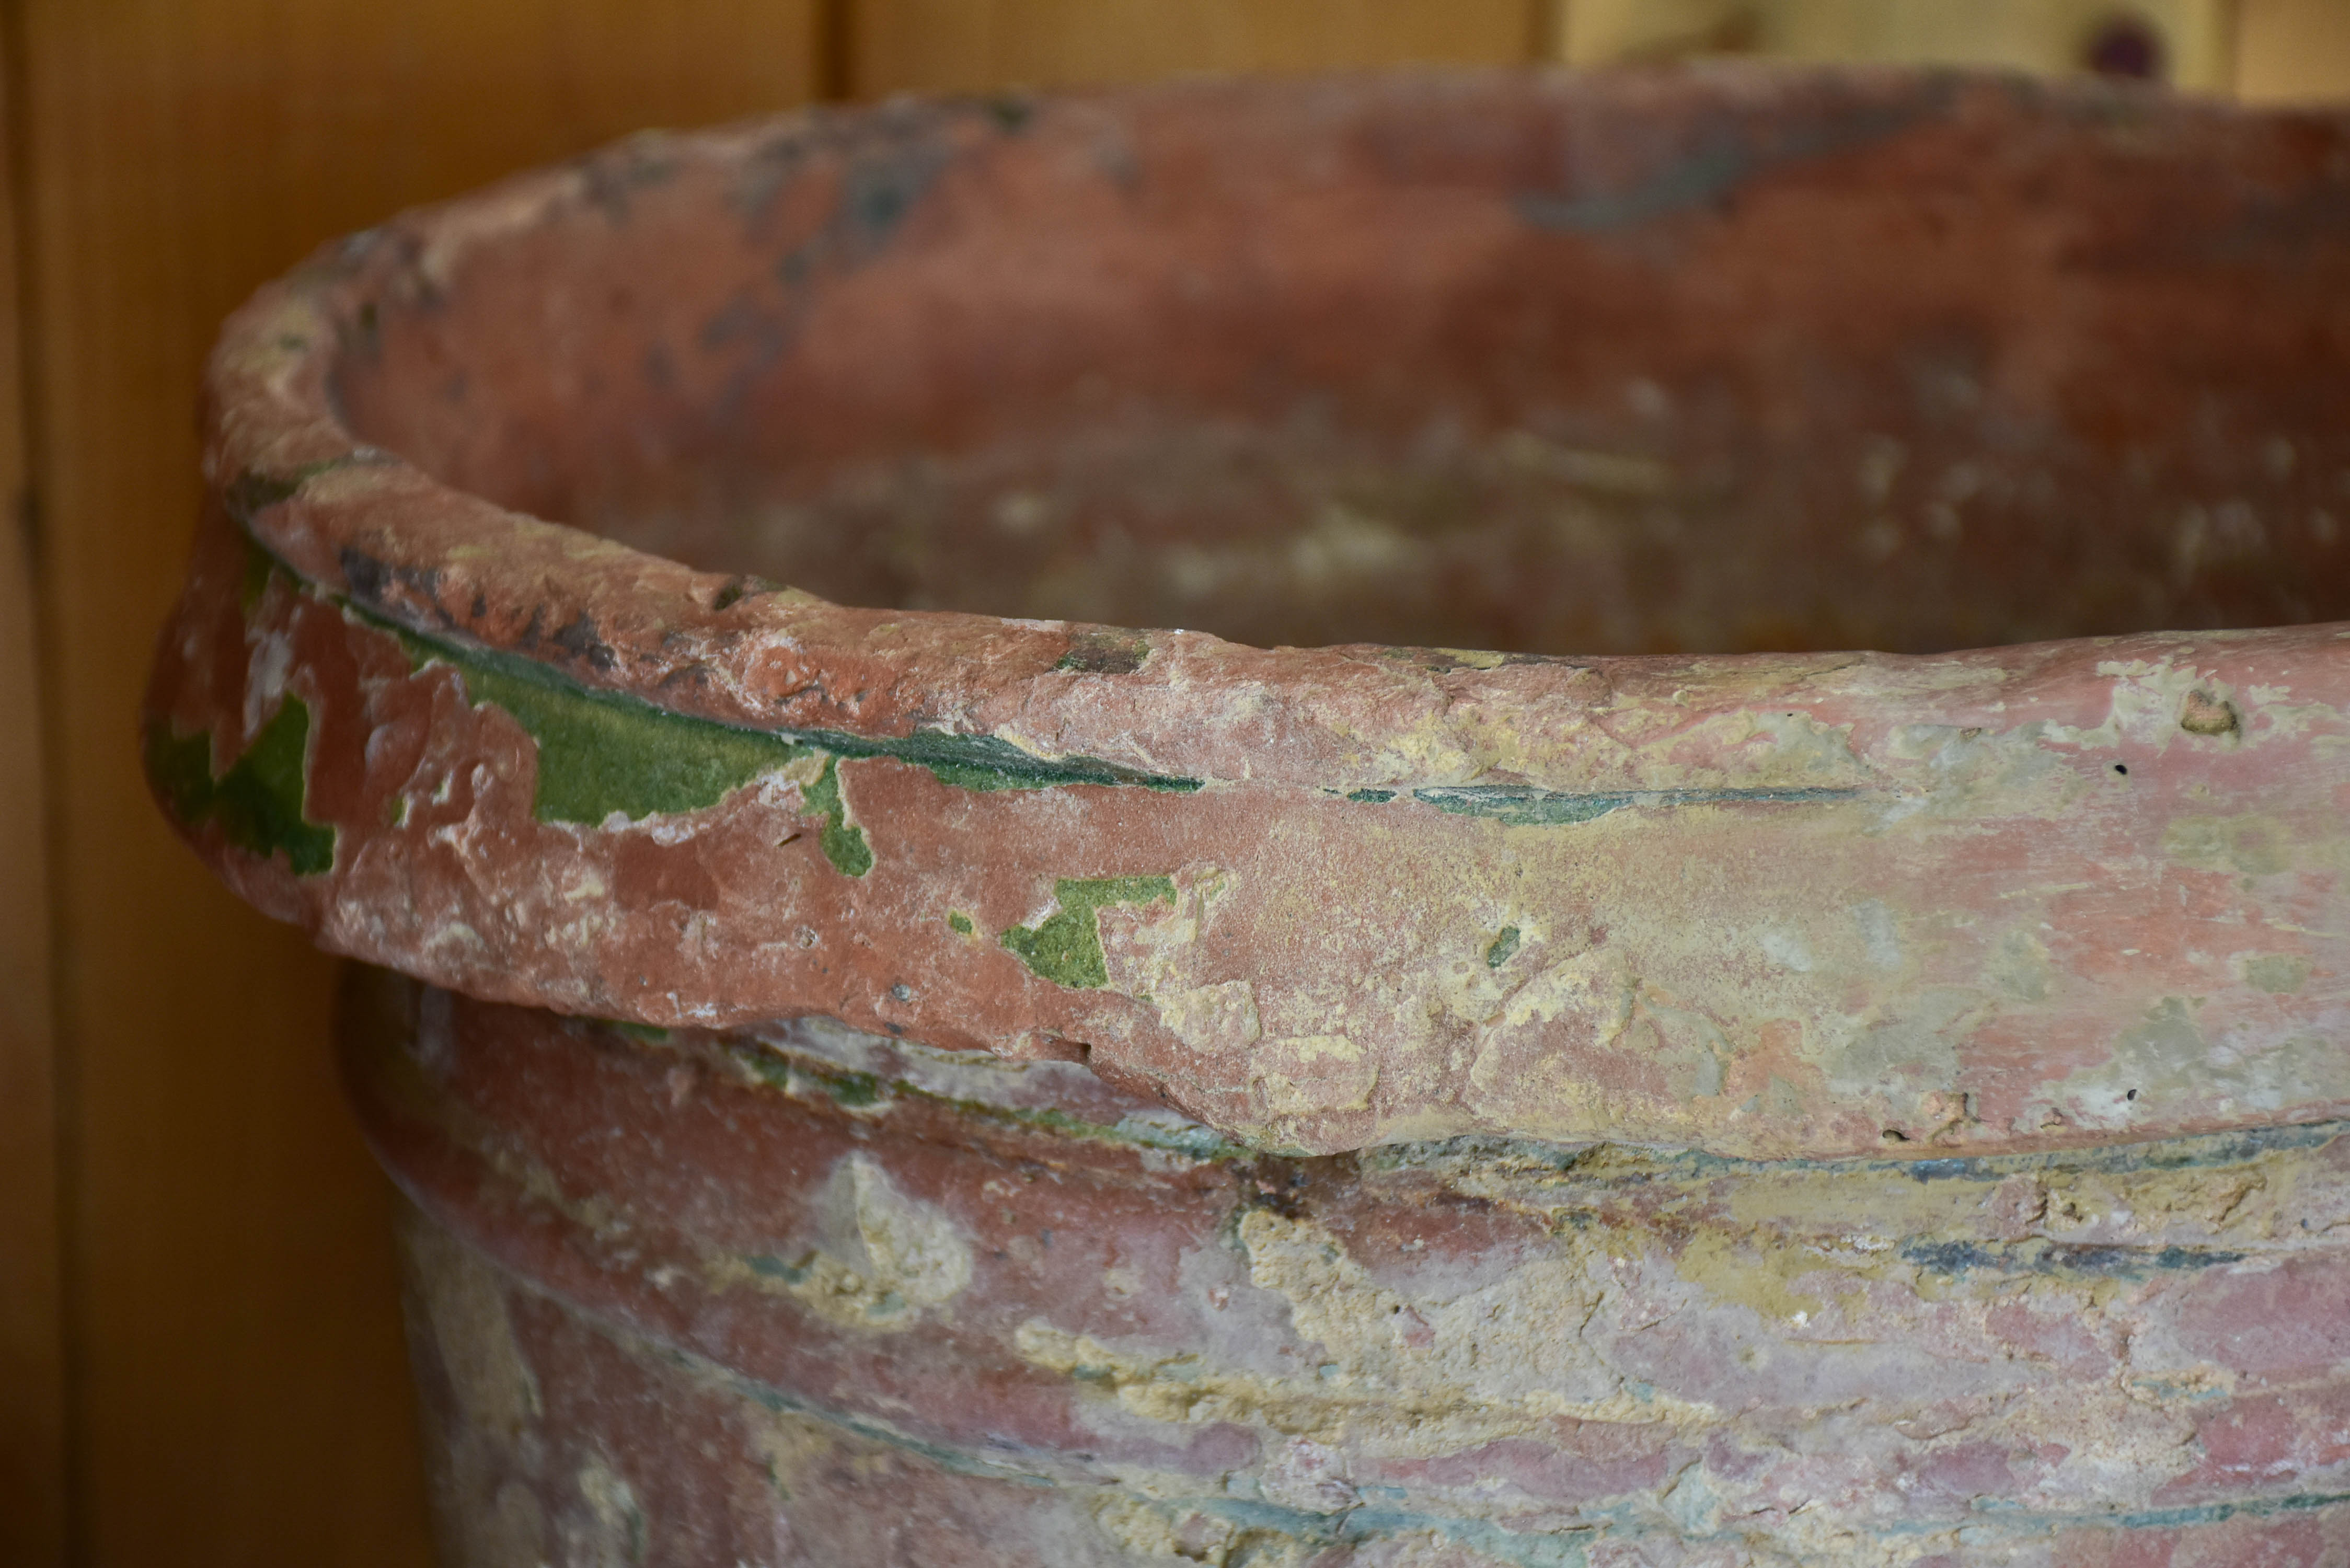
(742, 320)
(878, 191)
(607, 178)
(1011, 111)
(372, 581)
(737, 590)
(1727, 152)
(578, 638)
(1105, 652)
(2038, 1257)
(1448, 661)
(254, 491)
(882, 181)
(367, 333)
(1520, 805)
(2203, 1151)
(989, 762)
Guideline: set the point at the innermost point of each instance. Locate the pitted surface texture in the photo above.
(1089, 1332)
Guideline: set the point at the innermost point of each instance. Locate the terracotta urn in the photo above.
(1499, 1044)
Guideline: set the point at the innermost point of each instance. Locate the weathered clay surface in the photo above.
(919, 1087)
(1709, 361)
(805, 1295)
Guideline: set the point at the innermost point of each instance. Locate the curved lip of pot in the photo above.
(369, 527)
(375, 530)
(1176, 713)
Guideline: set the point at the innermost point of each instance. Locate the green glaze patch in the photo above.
(960, 923)
(843, 841)
(854, 1090)
(1066, 948)
(258, 801)
(848, 1088)
(988, 763)
(2280, 974)
(1504, 947)
(600, 753)
(260, 566)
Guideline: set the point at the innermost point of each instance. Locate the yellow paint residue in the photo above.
(1399, 1373)
(882, 1257)
(1216, 1020)
(1307, 1074)
(1762, 1274)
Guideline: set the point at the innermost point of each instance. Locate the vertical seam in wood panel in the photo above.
(835, 76)
(15, 73)
(1546, 31)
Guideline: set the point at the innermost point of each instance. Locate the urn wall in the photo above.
(1497, 1045)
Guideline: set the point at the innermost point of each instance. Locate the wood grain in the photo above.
(32, 1346)
(2293, 51)
(898, 46)
(238, 1380)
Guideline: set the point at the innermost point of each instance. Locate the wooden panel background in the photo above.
(931, 46)
(32, 1367)
(200, 1358)
(2292, 51)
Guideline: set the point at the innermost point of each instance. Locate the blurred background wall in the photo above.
(200, 1351)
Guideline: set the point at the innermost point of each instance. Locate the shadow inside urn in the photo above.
(1535, 537)
(1857, 407)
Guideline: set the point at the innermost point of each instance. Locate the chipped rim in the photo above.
(386, 542)
(282, 463)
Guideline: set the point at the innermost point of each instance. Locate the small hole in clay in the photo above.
(2122, 768)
